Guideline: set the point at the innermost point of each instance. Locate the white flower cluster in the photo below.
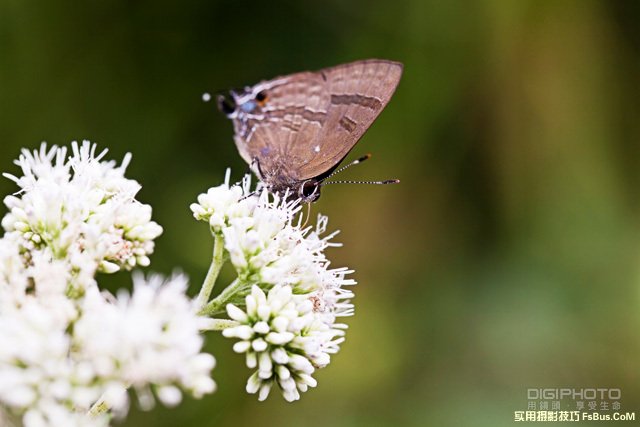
(264, 244)
(53, 370)
(65, 345)
(283, 338)
(80, 208)
(291, 331)
(150, 337)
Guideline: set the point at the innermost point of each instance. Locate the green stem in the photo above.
(219, 324)
(214, 270)
(217, 304)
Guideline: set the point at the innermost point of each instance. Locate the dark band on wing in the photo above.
(347, 124)
(307, 114)
(249, 123)
(364, 101)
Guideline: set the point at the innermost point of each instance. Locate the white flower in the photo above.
(39, 378)
(269, 248)
(283, 338)
(14, 280)
(38, 276)
(56, 363)
(64, 345)
(265, 242)
(49, 413)
(149, 337)
(220, 203)
(291, 331)
(80, 208)
(129, 236)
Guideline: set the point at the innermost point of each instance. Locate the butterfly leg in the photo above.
(248, 171)
(256, 162)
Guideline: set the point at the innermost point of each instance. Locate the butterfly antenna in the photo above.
(385, 182)
(355, 162)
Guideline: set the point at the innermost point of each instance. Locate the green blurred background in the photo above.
(508, 257)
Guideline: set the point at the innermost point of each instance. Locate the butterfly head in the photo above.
(227, 104)
(234, 103)
(309, 190)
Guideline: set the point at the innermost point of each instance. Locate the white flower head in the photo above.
(149, 337)
(265, 241)
(56, 363)
(64, 345)
(283, 338)
(39, 375)
(223, 202)
(80, 208)
(14, 280)
(287, 324)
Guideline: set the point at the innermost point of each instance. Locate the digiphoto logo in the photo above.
(576, 394)
(574, 404)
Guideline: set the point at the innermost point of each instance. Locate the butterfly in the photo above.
(295, 130)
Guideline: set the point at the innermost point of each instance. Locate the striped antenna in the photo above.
(353, 163)
(385, 182)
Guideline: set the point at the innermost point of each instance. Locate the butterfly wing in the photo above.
(357, 94)
(308, 122)
(293, 110)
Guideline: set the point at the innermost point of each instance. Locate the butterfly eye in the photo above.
(261, 97)
(226, 104)
(310, 190)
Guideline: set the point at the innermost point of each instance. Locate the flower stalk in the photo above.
(216, 306)
(218, 324)
(214, 270)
